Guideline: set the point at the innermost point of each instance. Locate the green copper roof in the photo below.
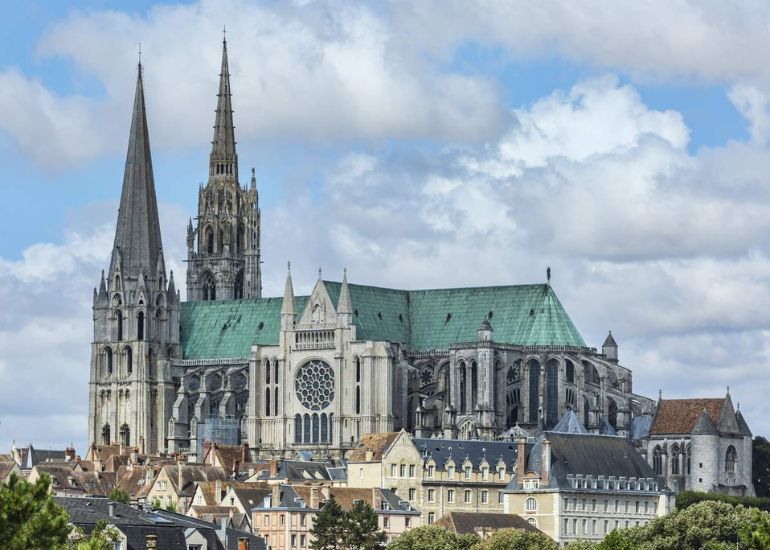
(529, 315)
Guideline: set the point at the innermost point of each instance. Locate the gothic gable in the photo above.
(319, 309)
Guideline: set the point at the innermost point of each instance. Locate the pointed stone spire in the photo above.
(171, 287)
(102, 287)
(287, 307)
(343, 304)
(253, 179)
(137, 235)
(224, 160)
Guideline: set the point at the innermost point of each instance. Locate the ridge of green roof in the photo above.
(528, 315)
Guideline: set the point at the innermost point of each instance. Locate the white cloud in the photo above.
(752, 103)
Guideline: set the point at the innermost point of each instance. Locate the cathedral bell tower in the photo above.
(136, 313)
(223, 245)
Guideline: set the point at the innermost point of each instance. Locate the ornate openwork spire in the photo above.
(224, 160)
(137, 235)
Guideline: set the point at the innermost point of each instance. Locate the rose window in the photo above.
(314, 385)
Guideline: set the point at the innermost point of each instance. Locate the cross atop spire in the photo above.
(224, 160)
(137, 235)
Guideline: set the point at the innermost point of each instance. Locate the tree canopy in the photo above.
(431, 537)
(514, 539)
(29, 517)
(761, 466)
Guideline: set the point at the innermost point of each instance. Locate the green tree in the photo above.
(761, 466)
(514, 539)
(29, 517)
(328, 527)
(756, 535)
(580, 545)
(430, 537)
(101, 538)
(119, 495)
(615, 540)
(362, 531)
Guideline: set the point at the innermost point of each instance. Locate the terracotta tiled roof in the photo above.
(679, 416)
(377, 444)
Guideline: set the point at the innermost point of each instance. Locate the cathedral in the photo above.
(312, 374)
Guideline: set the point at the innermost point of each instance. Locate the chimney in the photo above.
(314, 497)
(521, 459)
(245, 455)
(111, 509)
(218, 492)
(179, 471)
(151, 542)
(275, 501)
(243, 543)
(273, 467)
(236, 463)
(207, 450)
(376, 501)
(545, 474)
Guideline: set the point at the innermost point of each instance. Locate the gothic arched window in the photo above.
(731, 459)
(306, 438)
(209, 240)
(140, 326)
(208, 286)
(461, 369)
(534, 389)
(358, 399)
(108, 362)
(586, 411)
(687, 451)
(275, 370)
(267, 401)
(275, 401)
(129, 361)
(119, 316)
(474, 383)
(657, 460)
(552, 392)
(315, 427)
(674, 454)
(297, 429)
(324, 429)
(125, 435)
(238, 286)
(358, 369)
(267, 371)
(106, 434)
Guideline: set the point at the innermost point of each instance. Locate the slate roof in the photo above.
(588, 454)
(299, 497)
(66, 480)
(376, 443)
(462, 523)
(187, 522)
(639, 427)
(441, 450)
(745, 431)
(679, 416)
(569, 423)
(527, 315)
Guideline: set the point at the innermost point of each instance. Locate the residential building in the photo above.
(577, 485)
(140, 529)
(175, 485)
(285, 517)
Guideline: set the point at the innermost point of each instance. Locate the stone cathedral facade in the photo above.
(315, 373)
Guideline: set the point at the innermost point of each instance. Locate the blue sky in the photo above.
(398, 140)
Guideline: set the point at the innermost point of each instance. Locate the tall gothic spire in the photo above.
(224, 160)
(137, 235)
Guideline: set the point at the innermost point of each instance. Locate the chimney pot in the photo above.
(111, 509)
(244, 453)
(545, 475)
(521, 460)
(273, 467)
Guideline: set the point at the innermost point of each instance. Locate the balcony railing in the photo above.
(314, 339)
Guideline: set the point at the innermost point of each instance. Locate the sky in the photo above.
(425, 144)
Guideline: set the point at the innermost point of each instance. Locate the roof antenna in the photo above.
(224, 34)
(140, 55)
(548, 275)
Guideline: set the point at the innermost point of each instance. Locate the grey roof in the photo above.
(137, 235)
(337, 473)
(223, 145)
(459, 449)
(640, 426)
(255, 543)
(33, 457)
(463, 523)
(744, 427)
(605, 428)
(704, 425)
(303, 470)
(136, 524)
(609, 342)
(588, 454)
(569, 424)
